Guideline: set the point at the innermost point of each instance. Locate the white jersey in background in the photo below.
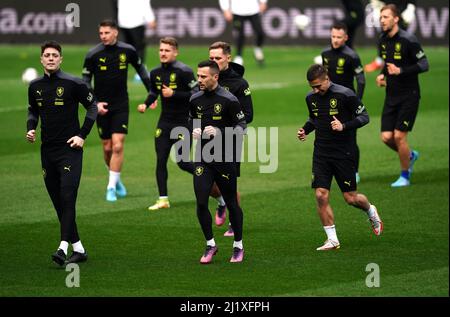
(241, 7)
(134, 13)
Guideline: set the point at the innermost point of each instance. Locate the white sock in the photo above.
(163, 197)
(238, 244)
(63, 246)
(78, 247)
(258, 53)
(370, 212)
(211, 243)
(331, 233)
(114, 177)
(220, 201)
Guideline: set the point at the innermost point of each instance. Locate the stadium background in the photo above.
(201, 21)
(137, 253)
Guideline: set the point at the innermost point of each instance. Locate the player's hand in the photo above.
(167, 91)
(381, 81)
(392, 69)
(76, 142)
(228, 15)
(31, 136)
(197, 133)
(152, 24)
(210, 131)
(101, 106)
(142, 107)
(336, 125)
(262, 7)
(301, 135)
(154, 104)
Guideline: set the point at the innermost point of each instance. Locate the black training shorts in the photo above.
(343, 170)
(114, 121)
(399, 112)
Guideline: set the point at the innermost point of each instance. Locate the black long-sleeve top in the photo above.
(344, 65)
(232, 80)
(404, 51)
(221, 109)
(342, 103)
(108, 64)
(181, 79)
(54, 99)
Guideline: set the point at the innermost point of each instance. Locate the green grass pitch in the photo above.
(134, 252)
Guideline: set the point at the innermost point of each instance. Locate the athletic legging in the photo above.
(238, 26)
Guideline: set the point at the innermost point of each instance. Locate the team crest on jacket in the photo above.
(123, 57)
(217, 108)
(341, 62)
(398, 51)
(173, 77)
(333, 103)
(60, 91)
(199, 170)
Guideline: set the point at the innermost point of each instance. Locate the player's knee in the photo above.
(350, 199)
(117, 148)
(161, 162)
(235, 209)
(399, 138)
(202, 208)
(67, 195)
(387, 137)
(107, 147)
(322, 196)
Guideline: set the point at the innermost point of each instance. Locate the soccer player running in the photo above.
(334, 112)
(231, 79)
(354, 17)
(175, 83)
(238, 12)
(133, 21)
(218, 121)
(344, 65)
(406, 17)
(404, 60)
(108, 63)
(54, 98)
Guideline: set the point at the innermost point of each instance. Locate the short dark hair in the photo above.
(340, 26)
(52, 44)
(169, 40)
(391, 7)
(213, 67)
(110, 23)
(226, 48)
(316, 71)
